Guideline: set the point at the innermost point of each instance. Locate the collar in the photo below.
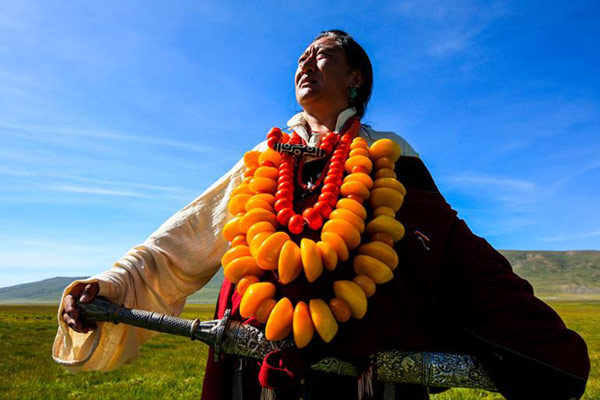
(299, 125)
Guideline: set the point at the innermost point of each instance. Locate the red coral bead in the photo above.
(296, 224)
(271, 142)
(286, 185)
(331, 188)
(274, 132)
(285, 178)
(282, 203)
(336, 165)
(313, 218)
(323, 208)
(333, 179)
(326, 147)
(337, 157)
(328, 198)
(284, 215)
(284, 194)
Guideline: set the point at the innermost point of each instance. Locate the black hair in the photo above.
(357, 59)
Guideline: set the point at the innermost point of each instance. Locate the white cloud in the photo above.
(571, 236)
(496, 183)
(93, 190)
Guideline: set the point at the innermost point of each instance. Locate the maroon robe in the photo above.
(452, 292)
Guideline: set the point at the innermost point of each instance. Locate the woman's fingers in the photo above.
(84, 292)
(89, 292)
(71, 306)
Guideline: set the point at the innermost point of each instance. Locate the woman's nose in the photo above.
(309, 64)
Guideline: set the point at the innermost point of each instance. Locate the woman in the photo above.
(452, 292)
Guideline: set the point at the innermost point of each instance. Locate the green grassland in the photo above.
(172, 367)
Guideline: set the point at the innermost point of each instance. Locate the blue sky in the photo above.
(114, 115)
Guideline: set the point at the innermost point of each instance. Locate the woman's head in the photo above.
(330, 70)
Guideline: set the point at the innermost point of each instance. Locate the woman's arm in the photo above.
(174, 262)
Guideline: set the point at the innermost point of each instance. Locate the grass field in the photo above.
(172, 367)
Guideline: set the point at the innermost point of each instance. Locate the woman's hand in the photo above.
(85, 293)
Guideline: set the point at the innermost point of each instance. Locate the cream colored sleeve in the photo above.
(174, 262)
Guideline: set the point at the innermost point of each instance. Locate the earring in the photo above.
(353, 93)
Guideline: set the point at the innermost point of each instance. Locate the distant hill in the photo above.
(46, 291)
(555, 275)
(559, 274)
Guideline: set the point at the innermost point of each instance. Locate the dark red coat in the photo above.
(453, 293)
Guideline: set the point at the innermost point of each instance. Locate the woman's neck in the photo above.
(322, 122)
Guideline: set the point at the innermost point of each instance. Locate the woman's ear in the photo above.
(357, 79)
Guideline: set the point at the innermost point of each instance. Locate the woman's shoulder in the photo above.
(372, 135)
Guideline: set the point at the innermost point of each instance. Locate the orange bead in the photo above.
(249, 173)
(257, 203)
(279, 324)
(263, 185)
(239, 240)
(384, 223)
(381, 251)
(245, 283)
(246, 181)
(385, 148)
(341, 309)
(267, 197)
(355, 188)
(346, 230)
(352, 294)
(257, 240)
(269, 155)
(266, 172)
(302, 325)
(359, 169)
(264, 310)
(354, 206)
(312, 263)
(359, 144)
(237, 203)
(241, 189)
(233, 253)
(261, 226)
(385, 173)
(390, 183)
(323, 319)
(254, 296)
(337, 243)
(383, 210)
(349, 216)
(383, 237)
(267, 255)
(384, 162)
(366, 284)
(232, 229)
(363, 178)
(290, 262)
(359, 152)
(256, 215)
(240, 267)
(361, 161)
(251, 159)
(373, 268)
(388, 197)
(328, 254)
(356, 198)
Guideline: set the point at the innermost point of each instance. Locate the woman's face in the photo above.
(323, 77)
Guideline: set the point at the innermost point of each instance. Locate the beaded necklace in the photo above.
(263, 209)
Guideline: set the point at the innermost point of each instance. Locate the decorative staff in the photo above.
(232, 337)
